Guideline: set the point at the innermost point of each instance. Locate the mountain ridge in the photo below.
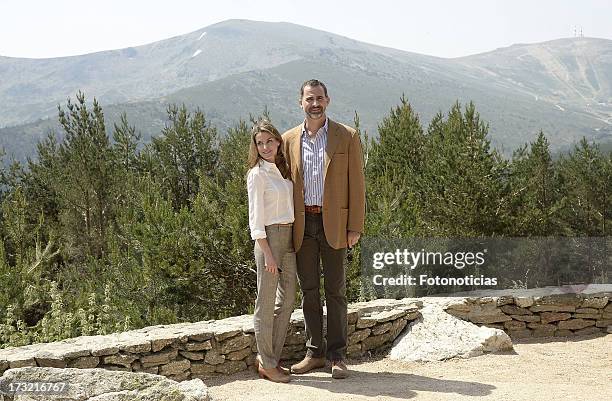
(264, 62)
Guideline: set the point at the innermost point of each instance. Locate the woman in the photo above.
(270, 220)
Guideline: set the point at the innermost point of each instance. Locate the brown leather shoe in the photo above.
(274, 375)
(265, 373)
(339, 370)
(307, 364)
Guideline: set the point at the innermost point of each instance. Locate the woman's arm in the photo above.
(255, 188)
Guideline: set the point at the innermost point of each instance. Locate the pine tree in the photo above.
(38, 181)
(586, 176)
(126, 141)
(393, 172)
(85, 178)
(399, 150)
(535, 199)
(463, 181)
(186, 148)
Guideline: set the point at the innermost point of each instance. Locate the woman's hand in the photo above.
(269, 261)
(271, 265)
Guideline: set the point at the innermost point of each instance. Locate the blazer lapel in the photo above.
(333, 138)
(296, 152)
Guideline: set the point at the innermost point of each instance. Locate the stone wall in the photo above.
(201, 349)
(533, 313)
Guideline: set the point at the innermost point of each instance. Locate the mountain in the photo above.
(237, 67)
(567, 72)
(31, 88)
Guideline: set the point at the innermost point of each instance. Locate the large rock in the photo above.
(437, 335)
(104, 385)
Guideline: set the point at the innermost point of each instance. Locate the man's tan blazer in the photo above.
(343, 188)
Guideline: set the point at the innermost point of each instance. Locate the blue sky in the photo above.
(444, 28)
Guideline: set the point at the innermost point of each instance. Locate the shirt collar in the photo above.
(324, 127)
(266, 165)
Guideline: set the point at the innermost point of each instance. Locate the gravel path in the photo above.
(576, 369)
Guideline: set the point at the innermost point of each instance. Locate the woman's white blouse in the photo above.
(270, 198)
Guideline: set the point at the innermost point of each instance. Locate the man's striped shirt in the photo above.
(313, 163)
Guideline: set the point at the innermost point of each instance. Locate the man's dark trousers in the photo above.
(315, 248)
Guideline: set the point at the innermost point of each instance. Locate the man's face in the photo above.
(314, 102)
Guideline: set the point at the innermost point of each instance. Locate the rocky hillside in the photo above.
(238, 67)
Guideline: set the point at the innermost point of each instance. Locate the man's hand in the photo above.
(352, 238)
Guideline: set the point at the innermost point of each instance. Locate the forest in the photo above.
(100, 232)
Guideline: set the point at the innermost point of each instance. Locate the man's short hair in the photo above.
(312, 83)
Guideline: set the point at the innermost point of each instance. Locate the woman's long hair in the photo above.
(280, 161)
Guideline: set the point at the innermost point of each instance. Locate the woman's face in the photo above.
(267, 146)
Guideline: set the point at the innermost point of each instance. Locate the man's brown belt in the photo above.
(313, 209)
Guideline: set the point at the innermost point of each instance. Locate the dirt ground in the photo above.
(549, 369)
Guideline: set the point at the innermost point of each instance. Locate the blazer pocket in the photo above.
(340, 160)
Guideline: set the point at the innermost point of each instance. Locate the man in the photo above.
(326, 164)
